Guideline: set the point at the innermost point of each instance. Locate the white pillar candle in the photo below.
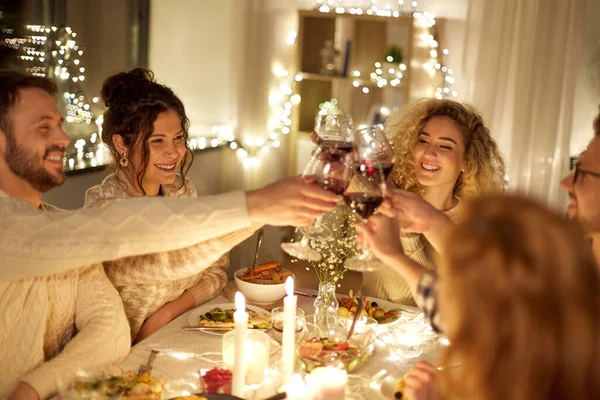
(289, 331)
(297, 389)
(240, 318)
(328, 383)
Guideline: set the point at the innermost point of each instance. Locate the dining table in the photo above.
(182, 354)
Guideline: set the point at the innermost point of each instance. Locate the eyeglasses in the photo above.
(581, 172)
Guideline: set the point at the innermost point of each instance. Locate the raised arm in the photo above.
(416, 215)
(380, 236)
(33, 242)
(102, 337)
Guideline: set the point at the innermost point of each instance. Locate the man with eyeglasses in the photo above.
(583, 187)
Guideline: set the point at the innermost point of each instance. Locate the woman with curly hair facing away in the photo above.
(444, 154)
(519, 297)
(146, 130)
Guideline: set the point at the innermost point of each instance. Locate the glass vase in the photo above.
(326, 302)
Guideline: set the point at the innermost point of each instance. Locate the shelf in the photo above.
(404, 18)
(325, 78)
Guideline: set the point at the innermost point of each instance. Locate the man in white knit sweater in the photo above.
(58, 311)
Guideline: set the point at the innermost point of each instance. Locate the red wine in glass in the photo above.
(364, 204)
(335, 185)
(335, 150)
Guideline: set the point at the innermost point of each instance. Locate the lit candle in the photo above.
(289, 331)
(297, 389)
(328, 383)
(240, 318)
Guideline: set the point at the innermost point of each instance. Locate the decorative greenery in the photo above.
(335, 249)
(395, 54)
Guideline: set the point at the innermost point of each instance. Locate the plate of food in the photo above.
(384, 312)
(125, 386)
(217, 319)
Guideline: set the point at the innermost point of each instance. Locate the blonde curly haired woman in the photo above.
(445, 154)
(520, 302)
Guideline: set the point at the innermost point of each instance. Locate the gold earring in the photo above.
(124, 161)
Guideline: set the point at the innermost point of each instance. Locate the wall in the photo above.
(587, 87)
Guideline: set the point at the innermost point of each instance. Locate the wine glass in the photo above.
(334, 128)
(331, 168)
(373, 162)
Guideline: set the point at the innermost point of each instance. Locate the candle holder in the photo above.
(407, 340)
(277, 316)
(258, 347)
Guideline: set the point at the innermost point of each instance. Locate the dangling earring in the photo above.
(124, 161)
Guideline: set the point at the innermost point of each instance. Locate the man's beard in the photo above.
(25, 165)
(591, 225)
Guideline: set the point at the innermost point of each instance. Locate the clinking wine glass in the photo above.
(331, 168)
(372, 164)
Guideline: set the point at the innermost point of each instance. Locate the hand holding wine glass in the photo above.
(330, 166)
(372, 164)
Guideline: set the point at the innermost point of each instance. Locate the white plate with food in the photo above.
(384, 312)
(217, 319)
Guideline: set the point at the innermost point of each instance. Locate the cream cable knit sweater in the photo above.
(52, 285)
(387, 284)
(145, 283)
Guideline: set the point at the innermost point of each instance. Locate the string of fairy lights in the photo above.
(53, 52)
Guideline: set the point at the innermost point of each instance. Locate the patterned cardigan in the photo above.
(145, 283)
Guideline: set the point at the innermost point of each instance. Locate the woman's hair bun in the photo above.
(116, 86)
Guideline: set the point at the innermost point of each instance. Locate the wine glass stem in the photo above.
(318, 221)
(304, 241)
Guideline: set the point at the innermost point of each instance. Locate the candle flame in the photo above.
(289, 286)
(240, 302)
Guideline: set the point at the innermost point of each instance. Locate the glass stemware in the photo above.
(373, 162)
(331, 168)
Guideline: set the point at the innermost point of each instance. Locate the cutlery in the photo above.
(361, 305)
(147, 368)
(258, 243)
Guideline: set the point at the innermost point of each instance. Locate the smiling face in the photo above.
(439, 154)
(584, 192)
(35, 144)
(165, 149)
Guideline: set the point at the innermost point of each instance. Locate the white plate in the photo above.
(194, 316)
(388, 305)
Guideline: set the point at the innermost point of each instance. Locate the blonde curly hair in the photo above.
(484, 166)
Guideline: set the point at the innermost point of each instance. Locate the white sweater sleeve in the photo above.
(34, 242)
(102, 338)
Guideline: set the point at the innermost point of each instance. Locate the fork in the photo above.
(147, 368)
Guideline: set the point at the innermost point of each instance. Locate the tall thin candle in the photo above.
(240, 318)
(289, 331)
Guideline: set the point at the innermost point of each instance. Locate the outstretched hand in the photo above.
(293, 201)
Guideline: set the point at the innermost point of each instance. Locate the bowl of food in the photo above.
(262, 284)
(327, 344)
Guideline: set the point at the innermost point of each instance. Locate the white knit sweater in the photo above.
(145, 283)
(52, 285)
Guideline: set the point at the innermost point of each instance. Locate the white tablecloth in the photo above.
(184, 353)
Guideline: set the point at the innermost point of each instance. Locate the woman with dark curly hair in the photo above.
(445, 154)
(146, 130)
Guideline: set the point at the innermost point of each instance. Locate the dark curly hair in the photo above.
(134, 101)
